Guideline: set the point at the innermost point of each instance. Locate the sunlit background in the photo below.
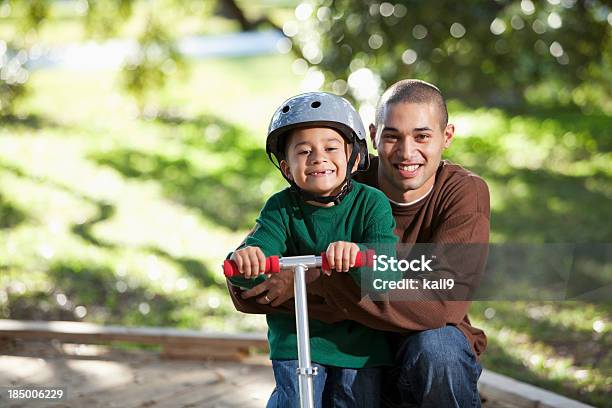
(132, 161)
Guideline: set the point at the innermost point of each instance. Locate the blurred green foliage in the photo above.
(30, 14)
(155, 60)
(545, 167)
(13, 77)
(146, 71)
(15, 52)
(103, 18)
(126, 220)
(485, 53)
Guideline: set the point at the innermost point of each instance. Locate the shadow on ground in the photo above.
(499, 360)
(107, 298)
(10, 215)
(226, 189)
(192, 267)
(585, 346)
(84, 230)
(550, 207)
(31, 121)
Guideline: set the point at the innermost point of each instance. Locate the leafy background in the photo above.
(122, 189)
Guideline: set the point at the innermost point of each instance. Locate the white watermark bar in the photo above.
(458, 272)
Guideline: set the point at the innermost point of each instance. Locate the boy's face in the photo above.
(316, 159)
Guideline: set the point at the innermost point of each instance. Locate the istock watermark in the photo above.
(413, 284)
(532, 272)
(384, 263)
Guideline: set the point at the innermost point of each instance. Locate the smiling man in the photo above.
(410, 134)
(435, 202)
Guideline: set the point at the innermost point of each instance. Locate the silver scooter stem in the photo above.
(305, 369)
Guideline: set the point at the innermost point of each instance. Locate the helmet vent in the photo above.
(286, 109)
(315, 104)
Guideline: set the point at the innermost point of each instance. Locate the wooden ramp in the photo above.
(61, 354)
(174, 343)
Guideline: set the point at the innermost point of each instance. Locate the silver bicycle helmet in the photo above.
(318, 109)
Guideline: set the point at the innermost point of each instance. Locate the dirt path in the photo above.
(96, 376)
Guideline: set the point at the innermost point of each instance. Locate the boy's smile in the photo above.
(316, 160)
(320, 173)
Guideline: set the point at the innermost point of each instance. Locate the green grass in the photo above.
(549, 172)
(561, 347)
(131, 218)
(93, 196)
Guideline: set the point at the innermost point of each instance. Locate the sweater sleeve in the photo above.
(465, 222)
(269, 234)
(380, 222)
(378, 232)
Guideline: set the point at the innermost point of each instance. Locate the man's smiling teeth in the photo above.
(412, 167)
(318, 173)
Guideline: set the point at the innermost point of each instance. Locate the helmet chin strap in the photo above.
(336, 198)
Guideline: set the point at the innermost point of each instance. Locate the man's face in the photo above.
(317, 160)
(410, 142)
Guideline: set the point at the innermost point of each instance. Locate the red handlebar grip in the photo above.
(364, 258)
(230, 269)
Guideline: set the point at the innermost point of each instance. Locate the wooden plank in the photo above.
(192, 352)
(508, 392)
(92, 333)
(161, 383)
(136, 379)
(245, 387)
(6, 343)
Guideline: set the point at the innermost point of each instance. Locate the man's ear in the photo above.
(356, 165)
(449, 132)
(286, 169)
(373, 135)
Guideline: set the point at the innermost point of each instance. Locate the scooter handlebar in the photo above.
(230, 269)
(364, 258)
(273, 263)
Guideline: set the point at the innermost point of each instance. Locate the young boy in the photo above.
(318, 141)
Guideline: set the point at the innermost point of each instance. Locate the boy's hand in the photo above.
(251, 261)
(341, 256)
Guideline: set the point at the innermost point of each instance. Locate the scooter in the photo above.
(300, 264)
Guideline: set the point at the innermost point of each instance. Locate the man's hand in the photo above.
(278, 288)
(251, 261)
(341, 255)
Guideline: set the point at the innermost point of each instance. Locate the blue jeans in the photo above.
(333, 386)
(433, 368)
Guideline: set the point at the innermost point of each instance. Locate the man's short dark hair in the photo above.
(412, 91)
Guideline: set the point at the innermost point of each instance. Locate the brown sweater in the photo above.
(455, 211)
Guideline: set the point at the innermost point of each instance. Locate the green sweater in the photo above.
(288, 226)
